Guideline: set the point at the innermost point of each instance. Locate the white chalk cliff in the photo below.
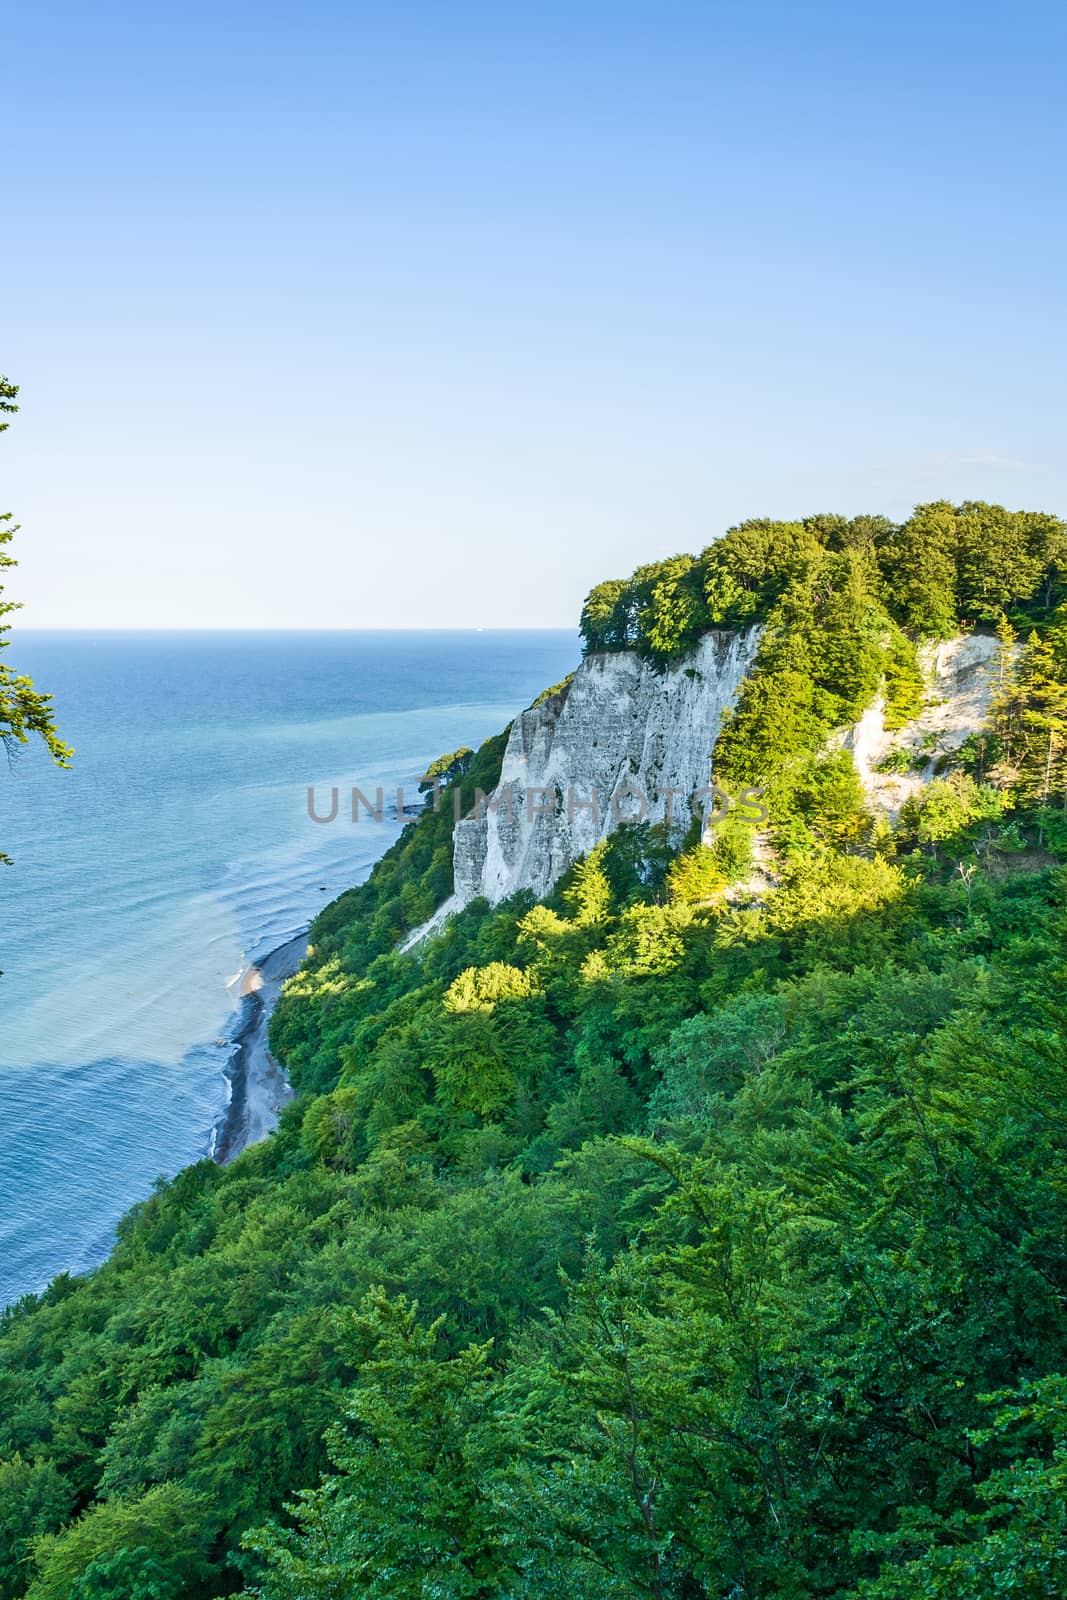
(620, 724)
(961, 677)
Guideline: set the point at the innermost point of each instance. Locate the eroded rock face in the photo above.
(961, 678)
(620, 724)
(620, 741)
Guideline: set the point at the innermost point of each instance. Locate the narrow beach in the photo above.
(258, 1085)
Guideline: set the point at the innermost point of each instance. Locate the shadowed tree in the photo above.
(24, 710)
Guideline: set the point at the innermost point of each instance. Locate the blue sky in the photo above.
(414, 315)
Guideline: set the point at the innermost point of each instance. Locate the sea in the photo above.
(177, 849)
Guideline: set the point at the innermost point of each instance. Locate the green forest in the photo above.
(687, 1234)
(947, 567)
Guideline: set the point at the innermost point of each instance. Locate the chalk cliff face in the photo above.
(961, 678)
(620, 726)
(572, 761)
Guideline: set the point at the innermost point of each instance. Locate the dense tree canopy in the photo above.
(945, 567)
(687, 1235)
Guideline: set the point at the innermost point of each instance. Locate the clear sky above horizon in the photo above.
(353, 316)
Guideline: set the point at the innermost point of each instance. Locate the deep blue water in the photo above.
(177, 848)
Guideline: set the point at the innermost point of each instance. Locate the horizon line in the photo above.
(526, 627)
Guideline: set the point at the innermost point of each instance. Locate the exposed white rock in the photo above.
(434, 924)
(961, 677)
(620, 724)
(763, 876)
(622, 740)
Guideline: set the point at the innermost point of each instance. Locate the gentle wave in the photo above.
(176, 851)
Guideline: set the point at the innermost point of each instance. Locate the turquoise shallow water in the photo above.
(177, 849)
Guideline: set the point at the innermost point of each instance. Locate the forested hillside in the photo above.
(946, 566)
(691, 1234)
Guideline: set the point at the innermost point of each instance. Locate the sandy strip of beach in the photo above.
(258, 1085)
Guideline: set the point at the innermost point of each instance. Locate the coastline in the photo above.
(258, 1085)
